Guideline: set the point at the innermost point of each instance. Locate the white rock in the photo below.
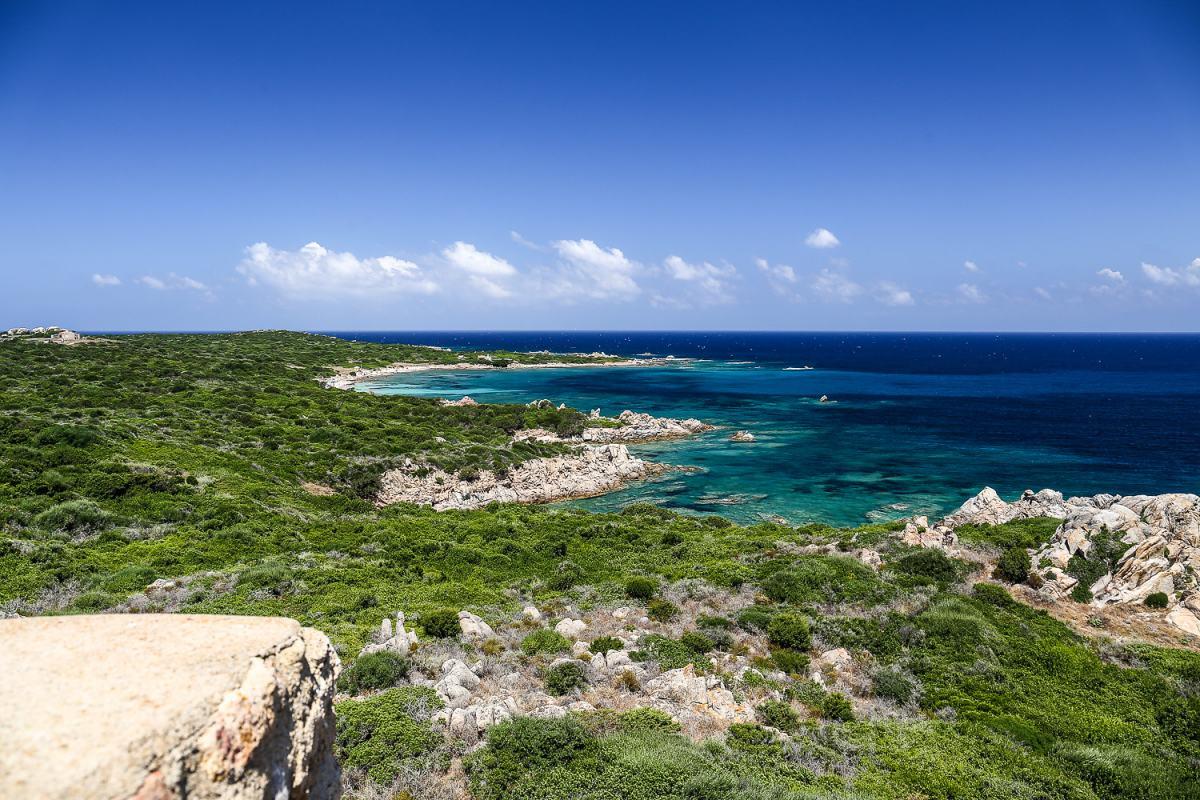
(531, 612)
(571, 628)
(473, 627)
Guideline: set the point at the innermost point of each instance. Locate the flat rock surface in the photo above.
(86, 698)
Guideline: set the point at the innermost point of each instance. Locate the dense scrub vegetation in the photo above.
(214, 474)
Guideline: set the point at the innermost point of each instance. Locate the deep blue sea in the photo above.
(919, 422)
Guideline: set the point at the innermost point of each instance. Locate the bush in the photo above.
(838, 579)
(73, 516)
(602, 644)
(374, 671)
(545, 641)
(565, 576)
(525, 745)
(563, 678)
(993, 594)
(1013, 566)
(894, 684)
(1157, 600)
(647, 719)
(381, 733)
(641, 588)
(777, 714)
(929, 562)
(790, 631)
(792, 662)
(696, 642)
(662, 610)
(441, 624)
(754, 619)
(836, 707)
(1081, 593)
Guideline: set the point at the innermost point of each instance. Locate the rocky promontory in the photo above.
(586, 472)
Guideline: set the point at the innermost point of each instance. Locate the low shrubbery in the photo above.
(1013, 565)
(790, 631)
(373, 671)
(565, 677)
(641, 588)
(1157, 600)
(384, 733)
(545, 642)
(441, 623)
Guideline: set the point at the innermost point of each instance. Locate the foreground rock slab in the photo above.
(157, 707)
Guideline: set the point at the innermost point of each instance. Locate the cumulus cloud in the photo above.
(891, 294)
(835, 287)
(152, 282)
(590, 270)
(105, 280)
(710, 280)
(970, 266)
(1169, 276)
(970, 293)
(466, 257)
(822, 239)
(1111, 275)
(314, 271)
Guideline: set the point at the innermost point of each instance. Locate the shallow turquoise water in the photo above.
(891, 445)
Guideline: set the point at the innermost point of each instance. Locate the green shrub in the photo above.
(929, 562)
(1013, 566)
(563, 678)
(441, 623)
(993, 594)
(696, 642)
(1081, 593)
(545, 641)
(789, 630)
(814, 579)
(662, 610)
(745, 735)
(647, 719)
(565, 576)
(373, 671)
(603, 644)
(522, 746)
(1157, 600)
(383, 733)
(641, 588)
(836, 707)
(894, 684)
(777, 714)
(77, 517)
(754, 619)
(793, 662)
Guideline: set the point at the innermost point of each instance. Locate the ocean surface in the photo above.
(917, 422)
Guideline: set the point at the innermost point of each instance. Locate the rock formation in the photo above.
(400, 641)
(742, 436)
(208, 706)
(589, 471)
(639, 427)
(1160, 536)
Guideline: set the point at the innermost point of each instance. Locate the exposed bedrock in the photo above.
(159, 707)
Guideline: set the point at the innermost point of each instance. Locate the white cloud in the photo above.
(521, 240)
(835, 287)
(590, 270)
(709, 279)
(970, 293)
(1042, 292)
(105, 280)
(822, 239)
(779, 272)
(1169, 276)
(152, 282)
(466, 257)
(970, 266)
(1111, 275)
(314, 271)
(891, 294)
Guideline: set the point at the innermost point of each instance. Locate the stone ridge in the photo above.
(157, 707)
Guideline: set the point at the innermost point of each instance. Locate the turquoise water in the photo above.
(891, 444)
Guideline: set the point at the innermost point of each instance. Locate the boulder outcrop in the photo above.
(1157, 538)
(639, 427)
(588, 471)
(208, 707)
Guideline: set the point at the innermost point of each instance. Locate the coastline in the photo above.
(348, 379)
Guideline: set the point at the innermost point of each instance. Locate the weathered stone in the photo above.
(166, 707)
(571, 628)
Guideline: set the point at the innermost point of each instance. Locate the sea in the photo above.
(914, 423)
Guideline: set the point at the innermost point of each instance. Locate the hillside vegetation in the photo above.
(214, 474)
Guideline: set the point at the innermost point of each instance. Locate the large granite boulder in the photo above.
(165, 707)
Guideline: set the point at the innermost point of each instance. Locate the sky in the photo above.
(1029, 166)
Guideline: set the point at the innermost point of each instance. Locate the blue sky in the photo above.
(840, 165)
